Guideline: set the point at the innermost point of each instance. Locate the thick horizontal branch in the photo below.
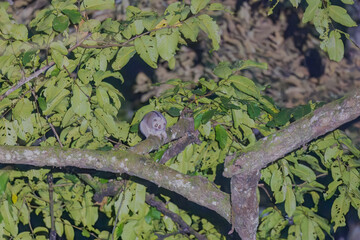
(195, 188)
(277, 145)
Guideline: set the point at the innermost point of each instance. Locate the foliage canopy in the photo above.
(55, 79)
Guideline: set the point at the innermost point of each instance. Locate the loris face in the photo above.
(158, 123)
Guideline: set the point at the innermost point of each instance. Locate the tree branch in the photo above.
(277, 145)
(195, 188)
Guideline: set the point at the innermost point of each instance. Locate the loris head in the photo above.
(158, 122)
(153, 123)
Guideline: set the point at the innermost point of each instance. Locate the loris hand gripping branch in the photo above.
(154, 123)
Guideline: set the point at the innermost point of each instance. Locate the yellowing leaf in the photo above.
(14, 198)
(161, 24)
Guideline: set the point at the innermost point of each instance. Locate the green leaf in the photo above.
(85, 233)
(209, 26)
(111, 25)
(295, 3)
(4, 178)
(348, 1)
(91, 25)
(129, 230)
(209, 84)
(310, 11)
(253, 110)
(332, 187)
(197, 121)
(8, 218)
(174, 112)
(307, 229)
(28, 56)
(221, 136)
(207, 116)
(100, 75)
(301, 111)
(223, 70)
(290, 201)
(106, 120)
(19, 32)
(303, 172)
(167, 41)
(190, 29)
(97, 5)
(123, 57)
(335, 46)
(282, 117)
(85, 75)
(23, 109)
(152, 214)
(342, 138)
(138, 27)
(245, 64)
(69, 230)
(216, 7)
(245, 85)
(139, 202)
(58, 58)
(59, 46)
(74, 15)
(79, 101)
(339, 209)
(7, 133)
(197, 5)
(60, 23)
(59, 227)
(340, 15)
(147, 49)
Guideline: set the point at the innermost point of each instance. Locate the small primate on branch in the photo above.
(154, 123)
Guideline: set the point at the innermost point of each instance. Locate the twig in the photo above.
(150, 199)
(118, 211)
(54, 131)
(40, 71)
(51, 204)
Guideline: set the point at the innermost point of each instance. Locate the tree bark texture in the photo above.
(277, 145)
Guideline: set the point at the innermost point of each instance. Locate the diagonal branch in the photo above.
(277, 145)
(40, 71)
(160, 206)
